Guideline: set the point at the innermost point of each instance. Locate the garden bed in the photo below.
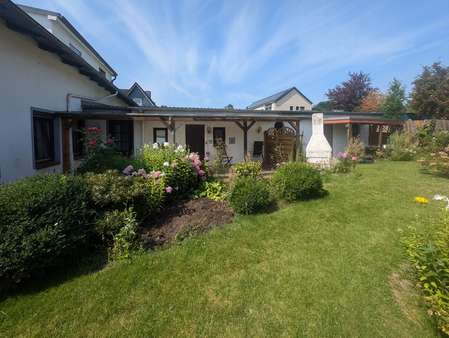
(185, 218)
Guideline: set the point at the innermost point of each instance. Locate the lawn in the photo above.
(332, 267)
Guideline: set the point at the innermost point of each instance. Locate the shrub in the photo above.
(429, 254)
(113, 191)
(401, 147)
(250, 168)
(355, 148)
(43, 220)
(437, 162)
(103, 159)
(111, 223)
(126, 240)
(181, 170)
(345, 163)
(250, 195)
(297, 181)
(213, 190)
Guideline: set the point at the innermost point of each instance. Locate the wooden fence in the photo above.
(412, 126)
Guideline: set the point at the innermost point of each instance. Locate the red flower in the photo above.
(93, 142)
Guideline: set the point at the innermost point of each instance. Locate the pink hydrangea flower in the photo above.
(354, 158)
(141, 172)
(201, 172)
(206, 158)
(128, 170)
(157, 174)
(168, 190)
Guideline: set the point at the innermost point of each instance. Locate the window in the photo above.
(138, 101)
(76, 50)
(268, 106)
(160, 135)
(302, 108)
(291, 107)
(44, 140)
(102, 72)
(122, 134)
(78, 139)
(219, 134)
(297, 107)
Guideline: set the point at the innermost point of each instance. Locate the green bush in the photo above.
(43, 220)
(103, 159)
(111, 223)
(182, 171)
(250, 168)
(429, 254)
(213, 190)
(297, 181)
(113, 191)
(401, 147)
(125, 239)
(250, 195)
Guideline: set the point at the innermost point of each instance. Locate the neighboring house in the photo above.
(49, 92)
(139, 96)
(288, 99)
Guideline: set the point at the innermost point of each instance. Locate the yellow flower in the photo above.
(421, 200)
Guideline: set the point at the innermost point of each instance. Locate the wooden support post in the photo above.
(348, 133)
(245, 127)
(379, 137)
(143, 132)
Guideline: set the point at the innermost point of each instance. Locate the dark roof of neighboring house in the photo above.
(16, 19)
(147, 93)
(275, 97)
(72, 29)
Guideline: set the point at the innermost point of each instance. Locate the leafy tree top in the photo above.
(349, 95)
(372, 102)
(430, 94)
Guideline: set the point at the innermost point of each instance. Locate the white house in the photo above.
(53, 83)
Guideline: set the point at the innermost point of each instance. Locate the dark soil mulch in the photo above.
(184, 219)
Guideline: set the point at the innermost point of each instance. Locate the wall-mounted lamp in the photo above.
(209, 129)
(259, 129)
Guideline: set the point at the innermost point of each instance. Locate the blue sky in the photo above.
(211, 53)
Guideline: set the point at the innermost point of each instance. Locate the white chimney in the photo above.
(318, 150)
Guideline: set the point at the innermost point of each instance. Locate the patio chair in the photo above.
(258, 149)
(225, 159)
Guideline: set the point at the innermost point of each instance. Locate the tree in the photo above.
(349, 95)
(430, 94)
(323, 106)
(394, 103)
(372, 102)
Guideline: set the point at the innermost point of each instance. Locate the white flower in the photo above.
(166, 144)
(162, 174)
(166, 164)
(442, 198)
(155, 145)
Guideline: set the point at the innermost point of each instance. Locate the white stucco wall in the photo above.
(58, 29)
(31, 77)
(232, 130)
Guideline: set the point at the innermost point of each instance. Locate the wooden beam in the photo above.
(240, 125)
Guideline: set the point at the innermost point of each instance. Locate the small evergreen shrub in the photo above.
(43, 220)
(101, 160)
(250, 195)
(297, 181)
(250, 168)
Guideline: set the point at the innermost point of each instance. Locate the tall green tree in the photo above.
(430, 94)
(323, 106)
(349, 95)
(395, 101)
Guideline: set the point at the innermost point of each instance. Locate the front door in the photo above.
(195, 138)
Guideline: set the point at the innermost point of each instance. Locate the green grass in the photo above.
(324, 268)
